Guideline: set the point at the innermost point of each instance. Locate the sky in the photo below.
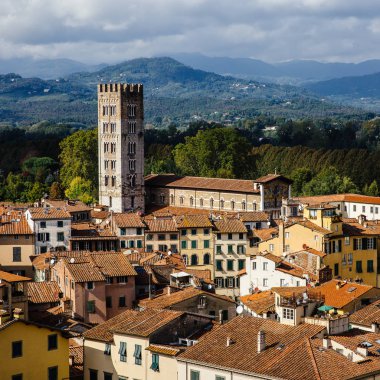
(99, 31)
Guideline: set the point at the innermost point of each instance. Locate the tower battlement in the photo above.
(129, 88)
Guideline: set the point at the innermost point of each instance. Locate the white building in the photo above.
(51, 227)
(266, 271)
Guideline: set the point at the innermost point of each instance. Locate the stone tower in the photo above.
(121, 146)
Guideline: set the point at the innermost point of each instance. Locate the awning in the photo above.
(325, 308)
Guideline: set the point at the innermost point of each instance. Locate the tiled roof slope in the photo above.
(132, 322)
(259, 302)
(293, 361)
(43, 292)
(193, 221)
(128, 220)
(221, 184)
(14, 225)
(10, 277)
(46, 213)
(253, 216)
(354, 198)
(272, 177)
(161, 225)
(368, 315)
(230, 225)
(70, 206)
(113, 264)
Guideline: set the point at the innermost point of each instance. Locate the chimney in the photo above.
(326, 342)
(229, 341)
(375, 327)
(169, 290)
(221, 317)
(260, 341)
(362, 350)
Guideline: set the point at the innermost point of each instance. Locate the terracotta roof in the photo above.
(70, 206)
(167, 300)
(128, 220)
(10, 277)
(100, 214)
(164, 350)
(312, 251)
(193, 221)
(222, 184)
(88, 231)
(289, 291)
(14, 224)
(356, 229)
(46, 213)
(203, 274)
(42, 261)
(43, 292)
(230, 225)
(84, 271)
(368, 315)
(271, 257)
(285, 357)
(272, 177)
(259, 302)
(161, 225)
(311, 226)
(253, 216)
(113, 264)
(131, 322)
(338, 298)
(355, 198)
(266, 233)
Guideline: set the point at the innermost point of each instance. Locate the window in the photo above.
(194, 231)
(206, 259)
(241, 264)
(222, 203)
(139, 243)
(243, 205)
(350, 259)
(363, 208)
(271, 247)
(240, 249)
(137, 354)
(181, 200)
(336, 269)
(17, 349)
(43, 237)
(371, 209)
(194, 244)
(131, 127)
(194, 260)
(90, 285)
(107, 349)
(161, 236)
(206, 244)
(52, 342)
(108, 301)
(194, 375)
(219, 249)
(219, 265)
(173, 236)
(359, 268)
(91, 307)
(16, 254)
(265, 282)
(230, 248)
(43, 224)
(183, 232)
(122, 301)
(287, 235)
(17, 377)
(155, 362)
(219, 282)
(93, 374)
(287, 313)
(201, 202)
(346, 240)
(60, 236)
(60, 223)
(230, 282)
(185, 259)
(171, 199)
(230, 264)
(149, 248)
(53, 373)
(282, 282)
(183, 244)
(122, 279)
(370, 266)
(211, 203)
(229, 236)
(107, 376)
(254, 265)
(265, 266)
(191, 201)
(123, 351)
(232, 205)
(220, 377)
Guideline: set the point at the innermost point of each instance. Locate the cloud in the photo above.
(273, 30)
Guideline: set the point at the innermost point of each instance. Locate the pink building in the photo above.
(98, 285)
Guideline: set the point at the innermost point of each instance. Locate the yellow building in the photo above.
(30, 351)
(350, 245)
(196, 241)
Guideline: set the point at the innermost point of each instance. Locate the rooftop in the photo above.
(128, 220)
(47, 213)
(43, 292)
(368, 315)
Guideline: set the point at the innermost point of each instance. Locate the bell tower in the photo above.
(121, 146)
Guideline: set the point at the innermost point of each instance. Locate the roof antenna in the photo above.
(275, 171)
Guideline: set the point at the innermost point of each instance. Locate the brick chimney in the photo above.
(261, 341)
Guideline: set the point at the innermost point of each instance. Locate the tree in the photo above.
(56, 191)
(300, 177)
(79, 158)
(372, 189)
(218, 152)
(36, 192)
(80, 189)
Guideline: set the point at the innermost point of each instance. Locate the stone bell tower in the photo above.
(121, 146)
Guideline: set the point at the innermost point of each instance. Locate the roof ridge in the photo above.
(313, 361)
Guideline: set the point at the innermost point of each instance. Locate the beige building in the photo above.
(161, 235)
(263, 194)
(16, 244)
(129, 228)
(121, 146)
(140, 345)
(230, 247)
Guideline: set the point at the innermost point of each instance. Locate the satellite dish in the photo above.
(239, 309)
(72, 260)
(209, 286)
(52, 261)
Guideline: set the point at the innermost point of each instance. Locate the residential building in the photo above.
(42, 296)
(99, 285)
(230, 236)
(262, 194)
(192, 300)
(121, 146)
(79, 211)
(33, 351)
(17, 244)
(367, 318)
(51, 228)
(140, 344)
(260, 304)
(161, 235)
(196, 241)
(129, 228)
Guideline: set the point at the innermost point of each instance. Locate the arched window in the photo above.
(201, 202)
(194, 259)
(221, 203)
(254, 206)
(206, 259)
(181, 200)
(185, 259)
(110, 201)
(191, 201)
(211, 203)
(232, 205)
(171, 199)
(243, 205)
